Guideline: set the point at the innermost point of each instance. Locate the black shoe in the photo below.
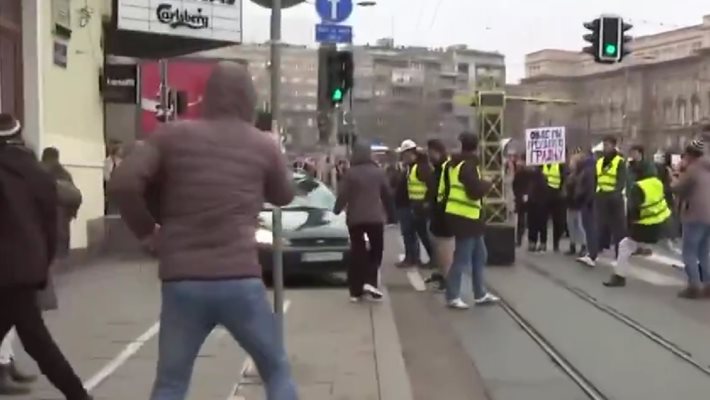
(556, 248)
(572, 251)
(8, 386)
(583, 251)
(19, 376)
(615, 281)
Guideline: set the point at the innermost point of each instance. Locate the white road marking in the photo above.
(646, 275)
(127, 352)
(416, 280)
(248, 372)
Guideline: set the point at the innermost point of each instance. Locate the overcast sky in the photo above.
(512, 27)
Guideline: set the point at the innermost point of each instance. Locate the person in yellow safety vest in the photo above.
(442, 239)
(464, 215)
(609, 207)
(413, 208)
(648, 214)
(555, 175)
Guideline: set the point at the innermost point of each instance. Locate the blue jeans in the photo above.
(696, 252)
(470, 253)
(414, 228)
(192, 309)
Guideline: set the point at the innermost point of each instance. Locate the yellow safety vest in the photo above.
(606, 177)
(441, 192)
(415, 187)
(552, 175)
(654, 209)
(458, 202)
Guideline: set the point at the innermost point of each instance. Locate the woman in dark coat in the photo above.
(69, 201)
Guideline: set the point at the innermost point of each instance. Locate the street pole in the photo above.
(277, 229)
(335, 114)
(164, 89)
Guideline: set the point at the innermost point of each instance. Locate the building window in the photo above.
(696, 112)
(682, 113)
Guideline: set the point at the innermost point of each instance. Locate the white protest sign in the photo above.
(545, 145)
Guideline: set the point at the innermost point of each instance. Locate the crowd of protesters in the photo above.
(625, 204)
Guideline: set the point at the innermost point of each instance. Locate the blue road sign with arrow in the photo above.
(334, 11)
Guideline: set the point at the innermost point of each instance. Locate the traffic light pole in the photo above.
(277, 229)
(335, 119)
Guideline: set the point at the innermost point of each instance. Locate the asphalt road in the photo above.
(638, 342)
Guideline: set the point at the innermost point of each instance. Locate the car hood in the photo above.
(307, 223)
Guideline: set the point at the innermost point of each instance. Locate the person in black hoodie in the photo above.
(28, 243)
(537, 195)
(443, 239)
(521, 182)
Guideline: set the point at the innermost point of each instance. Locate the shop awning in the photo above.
(135, 44)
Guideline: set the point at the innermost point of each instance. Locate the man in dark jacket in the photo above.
(214, 175)
(612, 177)
(441, 233)
(28, 241)
(464, 213)
(365, 196)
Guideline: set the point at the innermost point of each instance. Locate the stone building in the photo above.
(658, 95)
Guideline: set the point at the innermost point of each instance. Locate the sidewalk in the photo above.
(339, 350)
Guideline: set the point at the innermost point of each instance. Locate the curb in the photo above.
(392, 376)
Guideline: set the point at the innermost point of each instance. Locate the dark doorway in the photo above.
(11, 93)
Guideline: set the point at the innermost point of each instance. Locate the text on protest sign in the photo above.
(545, 145)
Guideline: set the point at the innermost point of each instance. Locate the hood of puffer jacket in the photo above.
(362, 154)
(230, 93)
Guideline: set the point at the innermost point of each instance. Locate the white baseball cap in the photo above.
(407, 145)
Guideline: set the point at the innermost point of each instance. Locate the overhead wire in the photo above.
(435, 15)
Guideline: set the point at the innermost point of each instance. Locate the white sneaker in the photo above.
(487, 298)
(373, 292)
(355, 299)
(586, 260)
(458, 304)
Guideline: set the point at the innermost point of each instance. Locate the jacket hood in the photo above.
(230, 93)
(361, 155)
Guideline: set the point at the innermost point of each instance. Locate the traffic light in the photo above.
(592, 38)
(340, 68)
(611, 39)
(625, 39)
(608, 44)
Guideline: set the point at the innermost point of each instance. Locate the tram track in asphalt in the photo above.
(625, 319)
(579, 379)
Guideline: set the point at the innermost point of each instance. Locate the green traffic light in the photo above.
(610, 49)
(337, 95)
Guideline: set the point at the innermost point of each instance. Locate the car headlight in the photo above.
(266, 237)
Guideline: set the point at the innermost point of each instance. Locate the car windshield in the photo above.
(310, 194)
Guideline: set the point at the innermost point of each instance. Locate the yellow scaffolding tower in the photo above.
(489, 106)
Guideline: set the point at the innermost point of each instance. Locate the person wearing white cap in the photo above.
(413, 210)
(27, 248)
